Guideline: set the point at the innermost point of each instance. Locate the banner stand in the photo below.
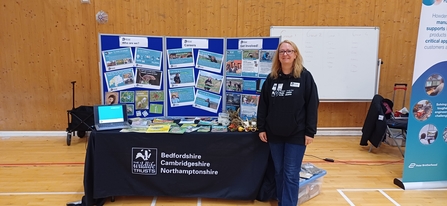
(419, 185)
(425, 162)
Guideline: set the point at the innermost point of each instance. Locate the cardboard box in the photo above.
(310, 188)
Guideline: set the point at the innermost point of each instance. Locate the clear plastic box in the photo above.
(310, 187)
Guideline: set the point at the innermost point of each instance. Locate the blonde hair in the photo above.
(297, 66)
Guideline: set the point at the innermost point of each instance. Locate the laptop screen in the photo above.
(110, 113)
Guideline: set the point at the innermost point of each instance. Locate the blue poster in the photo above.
(425, 164)
(250, 85)
(180, 58)
(427, 127)
(209, 61)
(117, 58)
(181, 96)
(147, 58)
(207, 101)
(233, 66)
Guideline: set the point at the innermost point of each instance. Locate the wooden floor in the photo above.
(44, 171)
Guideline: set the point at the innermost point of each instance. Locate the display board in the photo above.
(194, 76)
(343, 60)
(184, 76)
(131, 71)
(248, 62)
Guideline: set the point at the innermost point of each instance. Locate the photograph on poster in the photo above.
(434, 84)
(127, 96)
(130, 109)
(250, 63)
(249, 107)
(209, 61)
(141, 99)
(233, 66)
(249, 85)
(207, 101)
(422, 110)
(428, 134)
(233, 101)
(234, 84)
(181, 96)
(180, 58)
(119, 79)
(209, 81)
(265, 64)
(181, 77)
(156, 108)
(156, 96)
(147, 58)
(111, 98)
(117, 58)
(148, 78)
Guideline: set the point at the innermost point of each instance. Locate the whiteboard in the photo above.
(343, 60)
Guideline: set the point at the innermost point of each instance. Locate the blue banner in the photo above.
(425, 164)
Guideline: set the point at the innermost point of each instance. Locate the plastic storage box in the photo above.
(310, 188)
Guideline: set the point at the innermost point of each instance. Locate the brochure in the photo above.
(177, 130)
(204, 129)
(135, 129)
(158, 128)
(218, 128)
(140, 122)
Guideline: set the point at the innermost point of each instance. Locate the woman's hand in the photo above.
(263, 136)
(309, 140)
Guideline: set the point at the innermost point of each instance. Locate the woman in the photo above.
(287, 118)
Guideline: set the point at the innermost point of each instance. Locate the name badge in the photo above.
(294, 84)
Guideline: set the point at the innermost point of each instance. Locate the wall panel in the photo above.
(48, 44)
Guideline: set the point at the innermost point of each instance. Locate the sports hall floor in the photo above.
(42, 171)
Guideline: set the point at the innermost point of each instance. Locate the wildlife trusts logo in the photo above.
(144, 161)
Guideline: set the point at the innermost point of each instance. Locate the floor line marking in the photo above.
(369, 189)
(389, 189)
(345, 197)
(389, 198)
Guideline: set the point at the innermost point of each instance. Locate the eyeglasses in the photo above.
(288, 52)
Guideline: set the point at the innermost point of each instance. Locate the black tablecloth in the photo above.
(204, 165)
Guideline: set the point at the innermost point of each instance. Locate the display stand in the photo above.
(131, 73)
(195, 76)
(184, 76)
(248, 62)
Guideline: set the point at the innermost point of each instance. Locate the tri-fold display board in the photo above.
(200, 77)
(184, 76)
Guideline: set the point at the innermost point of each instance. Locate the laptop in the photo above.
(109, 117)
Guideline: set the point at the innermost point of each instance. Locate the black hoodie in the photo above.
(288, 108)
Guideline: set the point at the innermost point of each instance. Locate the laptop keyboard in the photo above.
(118, 125)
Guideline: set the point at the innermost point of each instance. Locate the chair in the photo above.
(379, 123)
